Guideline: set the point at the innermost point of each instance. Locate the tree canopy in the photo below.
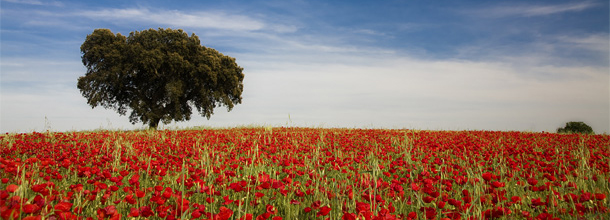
(158, 74)
(576, 127)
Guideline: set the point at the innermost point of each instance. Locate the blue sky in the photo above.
(441, 65)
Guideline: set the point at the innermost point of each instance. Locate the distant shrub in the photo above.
(576, 127)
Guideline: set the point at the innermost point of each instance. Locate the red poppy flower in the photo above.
(348, 216)
(412, 215)
(12, 188)
(362, 207)
(258, 194)
(248, 216)
(227, 200)
(440, 204)
(37, 217)
(324, 210)
(263, 216)
(135, 180)
(124, 172)
(391, 208)
(461, 180)
(538, 202)
(265, 185)
(70, 216)
(487, 176)
(600, 196)
(428, 199)
(7, 213)
(316, 204)
(130, 199)
(270, 209)
(39, 187)
(532, 181)
(454, 202)
(415, 187)
(236, 187)
(134, 212)
(167, 193)
(430, 212)
(63, 206)
(146, 211)
(225, 213)
(30, 208)
(497, 184)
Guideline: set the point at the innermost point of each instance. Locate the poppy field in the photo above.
(304, 173)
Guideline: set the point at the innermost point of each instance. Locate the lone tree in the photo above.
(158, 74)
(576, 127)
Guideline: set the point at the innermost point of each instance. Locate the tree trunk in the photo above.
(153, 123)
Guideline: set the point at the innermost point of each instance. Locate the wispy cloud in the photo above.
(36, 2)
(369, 32)
(531, 10)
(40, 71)
(564, 50)
(202, 19)
(595, 42)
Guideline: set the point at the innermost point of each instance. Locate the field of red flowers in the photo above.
(304, 173)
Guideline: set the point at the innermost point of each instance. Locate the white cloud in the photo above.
(282, 28)
(369, 32)
(37, 72)
(562, 50)
(36, 2)
(533, 10)
(594, 42)
(55, 110)
(205, 19)
(552, 9)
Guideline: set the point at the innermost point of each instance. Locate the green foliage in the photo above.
(576, 127)
(158, 74)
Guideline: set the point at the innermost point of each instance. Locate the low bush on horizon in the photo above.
(576, 127)
(304, 173)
